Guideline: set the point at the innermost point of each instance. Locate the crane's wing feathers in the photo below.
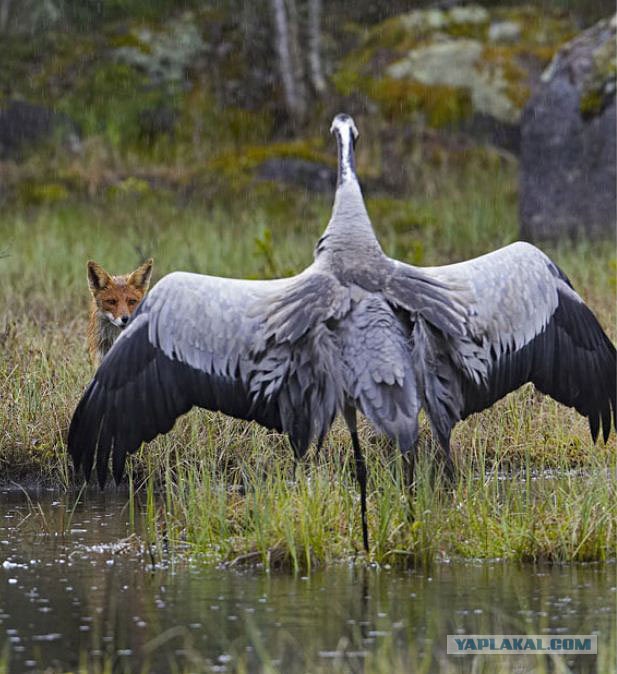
(310, 298)
(441, 301)
(525, 323)
(571, 359)
(189, 343)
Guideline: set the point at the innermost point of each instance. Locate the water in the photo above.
(82, 597)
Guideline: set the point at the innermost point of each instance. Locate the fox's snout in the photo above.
(119, 320)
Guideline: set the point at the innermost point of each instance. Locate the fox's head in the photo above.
(117, 297)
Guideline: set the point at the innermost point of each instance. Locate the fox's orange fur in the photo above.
(114, 299)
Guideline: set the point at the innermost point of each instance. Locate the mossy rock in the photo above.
(453, 63)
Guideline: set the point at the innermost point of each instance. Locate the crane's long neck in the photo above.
(345, 140)
(349, 232)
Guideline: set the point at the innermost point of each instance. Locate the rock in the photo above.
(567, 170)
(300, 172)
(504, 31)
(165, 54)
(23, 124)
(457, 63)
(462, 67)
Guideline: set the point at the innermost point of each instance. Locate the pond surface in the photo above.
(72, 599)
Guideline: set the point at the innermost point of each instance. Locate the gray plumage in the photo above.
(355, 331)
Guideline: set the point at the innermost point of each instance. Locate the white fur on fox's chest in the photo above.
(107, 334)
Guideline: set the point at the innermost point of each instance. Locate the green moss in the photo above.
(467, 30)
(131, 40)
(232, 163)
(130, 186)
(591, 103)
(503, 62)
(31, 193)
(600, 85)
(440, 105)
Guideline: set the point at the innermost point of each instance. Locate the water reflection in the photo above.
(83, 594)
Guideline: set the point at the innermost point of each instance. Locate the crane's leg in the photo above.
(408, 446)
(442, 431)
(318, 446)
(299, 452)
(448, 466)
(409, 468)
(350, 419)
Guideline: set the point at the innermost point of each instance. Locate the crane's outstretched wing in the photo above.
(525, 323)
(189, 343)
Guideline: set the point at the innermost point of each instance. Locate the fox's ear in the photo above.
(140, 278)
(98, 278)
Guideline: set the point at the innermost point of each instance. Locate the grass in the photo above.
(245, 509)
(532, 485)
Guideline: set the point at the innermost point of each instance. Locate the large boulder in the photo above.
(567, 170)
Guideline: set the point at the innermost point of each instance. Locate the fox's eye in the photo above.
(112, 302)
(132, 302)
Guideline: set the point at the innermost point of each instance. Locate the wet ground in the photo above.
(80, 589)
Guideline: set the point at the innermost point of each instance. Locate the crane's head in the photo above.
(344, 128)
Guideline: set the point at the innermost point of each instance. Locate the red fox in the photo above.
(114, 299)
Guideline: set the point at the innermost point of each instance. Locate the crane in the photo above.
(355, 331)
